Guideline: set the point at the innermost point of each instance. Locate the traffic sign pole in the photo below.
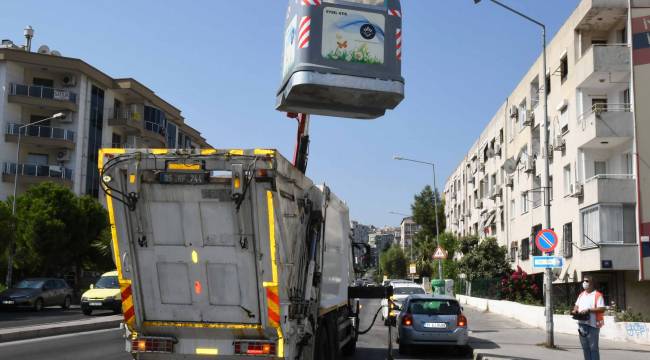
(546, 241)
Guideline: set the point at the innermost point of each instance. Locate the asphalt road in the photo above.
(109, 345)
(25, 317)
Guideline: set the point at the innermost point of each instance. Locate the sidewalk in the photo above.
(498, 337)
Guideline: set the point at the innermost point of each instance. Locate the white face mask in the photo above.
(585, 285)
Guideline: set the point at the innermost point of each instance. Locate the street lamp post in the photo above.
(435, 202)
(548, 289)
(10, 257)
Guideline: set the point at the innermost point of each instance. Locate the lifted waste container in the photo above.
(342, 58)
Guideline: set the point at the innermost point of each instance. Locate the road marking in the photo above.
(64, 336)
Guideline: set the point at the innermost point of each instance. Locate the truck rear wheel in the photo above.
(323, 342)
(350, 348)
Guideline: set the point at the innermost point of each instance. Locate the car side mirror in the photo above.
(92, 286)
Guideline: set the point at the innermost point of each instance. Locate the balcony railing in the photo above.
(49, 171)
(601, 108)
(46, 132)
(610, 176)
(43, 92)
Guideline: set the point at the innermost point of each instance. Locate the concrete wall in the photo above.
(635, 332)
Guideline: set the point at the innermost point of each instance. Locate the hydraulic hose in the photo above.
(373, 322)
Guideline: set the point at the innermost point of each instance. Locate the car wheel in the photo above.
(87, 312)
(66, 303)
(403, 349)
(38, 304)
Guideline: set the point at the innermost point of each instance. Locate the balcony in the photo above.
(622, 256)
(605, 126)
(43, 97)
(155, 133)
(34, 173)
(609, 188)
(41, 136)
(129, 121)
(602, 65)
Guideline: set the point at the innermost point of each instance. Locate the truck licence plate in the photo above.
(8, 302)
(95, 304)
(436, 325)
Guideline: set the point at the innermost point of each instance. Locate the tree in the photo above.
(485, 260)
(393, 262)
(424, 213)
(56, 231)
(7, 226)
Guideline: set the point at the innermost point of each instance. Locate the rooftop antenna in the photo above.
(29, 34)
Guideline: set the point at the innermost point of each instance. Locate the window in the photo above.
(537, 191)
(43, 82)
(116, 141)
(525, 249)
(534, 93)
(567, 180)
(600, 168)
(564, 68)
(567, 236)
(613, 224)
(522, 114)
(547, 84)
(564, 120)
(37, 159)
(171, 135)
(513, 251)
(598, 104)
(598, 42)
(626, 96)
(533, 234)
(550, 188)
(155, 120)
(95, 128)
(513, 208)
(628, 161)
(524, 202)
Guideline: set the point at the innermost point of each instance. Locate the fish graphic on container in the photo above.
(342, 58)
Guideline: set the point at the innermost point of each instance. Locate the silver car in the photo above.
(431, 320)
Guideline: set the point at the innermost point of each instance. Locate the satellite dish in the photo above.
(43, 49)
(55, 53)
(510, 165)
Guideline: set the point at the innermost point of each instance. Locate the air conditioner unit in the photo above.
(530, 118)
(63, 155)
(510, 182)
(576, 190)
(514, 112)
(559, 143)
(529, 165)
(69, 81)
(490, 153)
(497, 149)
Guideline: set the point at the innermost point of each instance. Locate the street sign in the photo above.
(412, 269)
(549, 262)
(546, 240)
(439, 254)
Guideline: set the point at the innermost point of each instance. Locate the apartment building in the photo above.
(360, 231)
(496, 190)
(100, 112)
(408, 229)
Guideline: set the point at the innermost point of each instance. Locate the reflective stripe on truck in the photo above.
(272, 296)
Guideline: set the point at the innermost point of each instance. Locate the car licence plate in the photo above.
(8, 302)
(437, 325)
(95, 304)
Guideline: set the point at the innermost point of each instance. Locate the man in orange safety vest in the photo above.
(589, 309)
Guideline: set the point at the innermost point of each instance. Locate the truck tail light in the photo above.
(462, 321)
(254, 348)
(152, 344)
(407, 320)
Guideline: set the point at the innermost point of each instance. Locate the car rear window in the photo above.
(407, 290)
(434, 307)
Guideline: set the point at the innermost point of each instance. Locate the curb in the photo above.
(62, 328)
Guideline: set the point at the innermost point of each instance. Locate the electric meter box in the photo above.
(342, 58)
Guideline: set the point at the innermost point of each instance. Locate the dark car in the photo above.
(36, 293)
(431, 320)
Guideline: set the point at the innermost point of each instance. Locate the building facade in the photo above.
(360, 232)
(100, 112)
(496, 190)
(408, 229)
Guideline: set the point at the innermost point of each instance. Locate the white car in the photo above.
(401, 290)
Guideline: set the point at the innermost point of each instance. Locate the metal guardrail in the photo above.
(601, 108)
(125, 114)
(43, 92)
(611, 176)
(50, 171)
(47, 132)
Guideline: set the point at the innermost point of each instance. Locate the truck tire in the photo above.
(350, 348)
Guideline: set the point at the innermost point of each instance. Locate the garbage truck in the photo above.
(230, 253)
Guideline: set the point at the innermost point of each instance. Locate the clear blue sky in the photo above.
(220, 63)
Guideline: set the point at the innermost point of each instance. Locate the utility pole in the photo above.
(548, 279)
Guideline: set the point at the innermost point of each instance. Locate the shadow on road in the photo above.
(419, 352)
